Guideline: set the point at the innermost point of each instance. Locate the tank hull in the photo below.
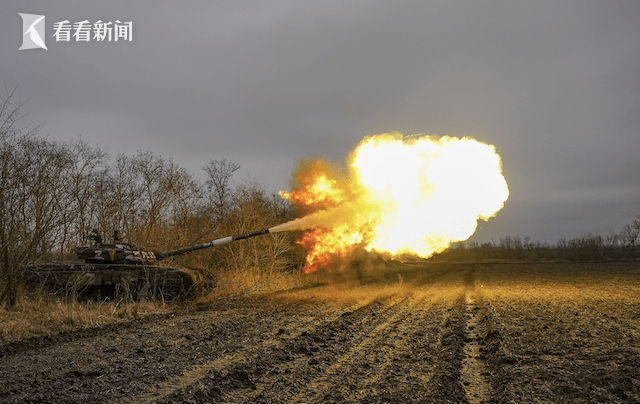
(118, 280)
(121, 270)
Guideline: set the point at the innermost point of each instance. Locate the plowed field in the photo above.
(433, 333)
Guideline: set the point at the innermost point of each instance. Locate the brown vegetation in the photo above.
(53, 193)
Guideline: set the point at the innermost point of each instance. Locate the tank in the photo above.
(121, 269)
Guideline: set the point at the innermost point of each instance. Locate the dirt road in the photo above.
(458, 333)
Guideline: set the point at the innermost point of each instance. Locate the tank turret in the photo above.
(115, 253)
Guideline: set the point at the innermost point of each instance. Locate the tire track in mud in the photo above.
(394, 350)
(461, 375)
(474, 371)
(394, 365)
(446, 383)
(400, 357)
(240, 357)
(496, 362)
(327, 387)
(278, 373)
(401, 350)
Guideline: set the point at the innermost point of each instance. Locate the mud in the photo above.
(421, 333)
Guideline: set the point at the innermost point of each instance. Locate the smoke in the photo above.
(346, 213)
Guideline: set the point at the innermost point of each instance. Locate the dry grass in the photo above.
(253, 281)
(40, 314)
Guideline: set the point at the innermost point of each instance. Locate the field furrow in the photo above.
(419, 333)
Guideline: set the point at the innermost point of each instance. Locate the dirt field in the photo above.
(456, 333)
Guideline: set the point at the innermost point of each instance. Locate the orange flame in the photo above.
(324, 247)
(315, 190)
(404, 195)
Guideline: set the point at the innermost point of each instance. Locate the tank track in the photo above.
(117, 280)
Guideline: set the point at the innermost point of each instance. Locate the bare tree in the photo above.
(167, 190)
(630, 234)
(219, 172)
(88, 169)
(122, 192)
(252, 208)
(33, 192)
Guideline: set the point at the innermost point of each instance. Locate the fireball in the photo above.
(412, 195)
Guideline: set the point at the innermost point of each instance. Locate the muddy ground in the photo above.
(433, 333)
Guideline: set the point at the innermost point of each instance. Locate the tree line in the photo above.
(52, 194)
(588, 247)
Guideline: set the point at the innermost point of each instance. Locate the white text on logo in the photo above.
(102, 31)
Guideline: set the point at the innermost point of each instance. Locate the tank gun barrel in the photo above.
(213, 243)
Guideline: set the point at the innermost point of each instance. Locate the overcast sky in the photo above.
(554, 85)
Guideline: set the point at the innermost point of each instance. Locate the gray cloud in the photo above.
(553, 85)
